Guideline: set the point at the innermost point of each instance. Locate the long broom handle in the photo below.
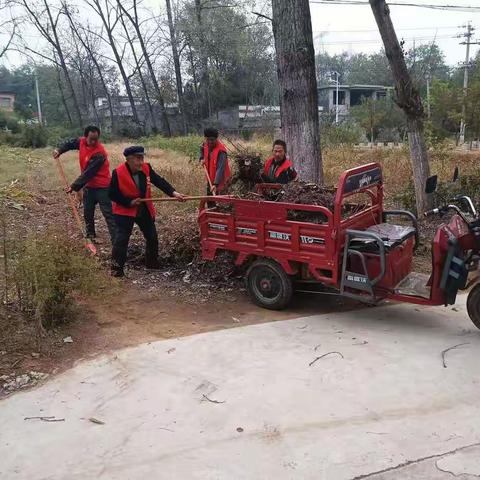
(209, 179)
(170, 199)
(63, 177)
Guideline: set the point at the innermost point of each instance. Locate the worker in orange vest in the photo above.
(131, 182)
(279, 168)
(94, 178)
(213, 154)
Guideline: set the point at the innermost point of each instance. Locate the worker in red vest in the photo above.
(132, 182)
(94, 178)
(279, 168)
(213, 154)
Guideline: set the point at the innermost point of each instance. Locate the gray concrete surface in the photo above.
(387, 410)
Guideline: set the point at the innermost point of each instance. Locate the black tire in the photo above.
(268, 285)
(473, 305)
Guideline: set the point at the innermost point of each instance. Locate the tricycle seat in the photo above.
(392, 236)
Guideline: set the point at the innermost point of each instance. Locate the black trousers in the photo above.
(92, 196)
(124, 226)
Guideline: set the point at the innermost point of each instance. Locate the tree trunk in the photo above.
(298, 86)
(140, 74)
(62, 94)
(136, 25)
(204, 74)
(118, 60)
(61, 57)
(176, 63)
(408, 99)
(420, 165)
(90, 52)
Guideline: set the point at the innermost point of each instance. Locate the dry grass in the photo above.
(36, 169)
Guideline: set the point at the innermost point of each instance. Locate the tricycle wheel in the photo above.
(473, 305)
(268, 285)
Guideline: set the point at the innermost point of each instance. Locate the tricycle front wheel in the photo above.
(473, 305)
(268, 285)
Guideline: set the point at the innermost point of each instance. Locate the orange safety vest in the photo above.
(85, 153)
(284, 166)
(211, 163)
(129, 189)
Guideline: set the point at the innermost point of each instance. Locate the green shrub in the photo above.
(57, 134)
(8, 138)
(33, 136)
(9, 121)
(189, 145)
(342, 134)
(49, 272)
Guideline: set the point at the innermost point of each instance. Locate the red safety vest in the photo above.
(284, 166)
(212, 163)
(103, 177)
(129, 188)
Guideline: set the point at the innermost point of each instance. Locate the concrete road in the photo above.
(252, 403)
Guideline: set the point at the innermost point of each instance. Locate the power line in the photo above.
(367, 41)
(455, 8)
(376, 30)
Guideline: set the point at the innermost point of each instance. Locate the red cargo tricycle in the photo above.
(356, 249)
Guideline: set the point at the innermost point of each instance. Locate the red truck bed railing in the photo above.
(265, 229)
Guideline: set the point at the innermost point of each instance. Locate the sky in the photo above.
(352, 28)
(340, 28)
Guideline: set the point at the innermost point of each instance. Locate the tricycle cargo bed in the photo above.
(264, 229)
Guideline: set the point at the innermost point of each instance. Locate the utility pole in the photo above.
(39, 105)
(429, 112)
(467, 35)
(337, 82)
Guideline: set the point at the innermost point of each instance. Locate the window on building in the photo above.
(5, 102)
(341, 97)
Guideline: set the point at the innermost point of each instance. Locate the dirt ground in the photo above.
(132, 317)
(168, 303)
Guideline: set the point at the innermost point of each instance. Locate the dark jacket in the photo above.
(286, 176)
(93, 165)
(117, 196)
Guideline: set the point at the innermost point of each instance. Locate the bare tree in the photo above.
(176, 63)
(138, 64)
(109, 17)
(135, 21)
(298, 86)
(88, 43)
(61, 90)
(46, 21)
(204, 73)
(408, 99)
(8, 26)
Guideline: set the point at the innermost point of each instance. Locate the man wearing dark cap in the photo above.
(94, 177)
(213, 154)
(131, 182)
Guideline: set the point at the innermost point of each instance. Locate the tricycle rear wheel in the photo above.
(473, 305)
(268, 285)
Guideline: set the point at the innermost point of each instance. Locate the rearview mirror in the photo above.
(455, 174)
(431, 184)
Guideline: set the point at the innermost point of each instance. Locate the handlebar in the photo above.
(444, 209)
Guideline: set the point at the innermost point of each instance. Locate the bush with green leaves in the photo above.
(33, 136)
(9, 122)
(188, 145)
(342, 134)
(50, 271)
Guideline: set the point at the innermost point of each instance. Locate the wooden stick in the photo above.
(209, 179)
(88, 245)
(170, 199)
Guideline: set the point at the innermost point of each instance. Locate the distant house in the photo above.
(349, 96)
(122, 112)
(7, 101)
